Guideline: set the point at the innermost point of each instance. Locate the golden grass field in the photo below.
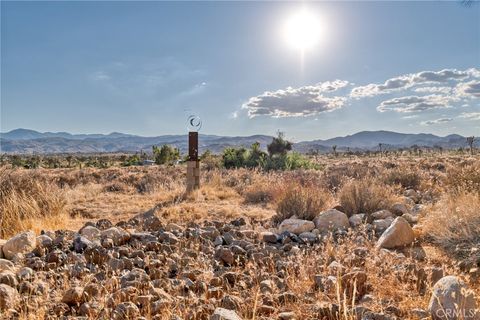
(448, 228)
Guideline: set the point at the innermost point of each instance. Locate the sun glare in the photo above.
(303, 30)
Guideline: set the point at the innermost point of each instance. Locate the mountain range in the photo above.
(23, 141)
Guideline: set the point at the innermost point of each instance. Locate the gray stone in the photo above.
(451, 300)
(356, 220)
(224, 314)
(8, 297)
(296, 226)
(331, 220)
(22, 243)
(382, 214)
(399, 234)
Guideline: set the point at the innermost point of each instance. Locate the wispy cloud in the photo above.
(436, 121)
(414, 103)
(470, 116)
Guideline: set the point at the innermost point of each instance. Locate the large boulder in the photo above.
(451, 300)
(224, 314)
(399, 234)
(331, 220)
(117, 235)
(8, 297)
(21, 243)
(296, 226)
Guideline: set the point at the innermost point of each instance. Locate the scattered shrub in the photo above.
(407, 179)
(303, 202)
(364, 196)
(464, 178)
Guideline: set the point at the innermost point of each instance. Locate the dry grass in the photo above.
(454, 220)
(303, 202)
(365, 196)
(25, 200)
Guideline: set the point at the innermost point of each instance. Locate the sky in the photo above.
(144, 67)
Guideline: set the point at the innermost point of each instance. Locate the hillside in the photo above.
(30, 141)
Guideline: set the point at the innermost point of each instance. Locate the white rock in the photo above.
(117, 235)
(399, 234)
(382, 214)
(224, 314)
(6, 265)
(451, 300)
(356, 220)
(21, 243)
(330, 220)
(91, 233)
(296, 226)
(8, 297)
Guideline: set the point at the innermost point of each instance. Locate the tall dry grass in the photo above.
(454, 220)
(365, 196)
(26, 200)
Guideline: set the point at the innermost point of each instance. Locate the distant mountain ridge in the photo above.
(31, 141)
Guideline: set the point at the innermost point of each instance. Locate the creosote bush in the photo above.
(364, 196)
(404, 178)
(304, 202)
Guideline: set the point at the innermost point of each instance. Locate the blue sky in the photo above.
(142, 67)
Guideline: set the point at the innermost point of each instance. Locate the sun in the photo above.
(302, 31)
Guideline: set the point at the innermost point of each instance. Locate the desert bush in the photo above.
(405, 178)
(25, 198)
(165, 154)
(464, 178)
(454, 220)
(301, 201)
(365, 196)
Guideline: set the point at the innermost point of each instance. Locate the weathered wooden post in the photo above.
(193, 163)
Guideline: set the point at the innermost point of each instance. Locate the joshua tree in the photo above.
(334, 148)
(380, 145)
(470, 141)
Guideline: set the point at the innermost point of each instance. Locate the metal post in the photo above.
(193, 164)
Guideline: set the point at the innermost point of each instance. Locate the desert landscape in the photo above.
(357, 237)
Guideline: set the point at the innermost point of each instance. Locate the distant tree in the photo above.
(165, 154)
(470, 141)
(279, 145)
(334, 148)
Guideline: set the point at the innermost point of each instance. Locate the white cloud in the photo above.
(444, 90)
(411, 80)
(469, 89)
(297, 102)
(470, 116)
(414, 103)
(436, 121)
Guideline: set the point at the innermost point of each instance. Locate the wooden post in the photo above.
(193, 164)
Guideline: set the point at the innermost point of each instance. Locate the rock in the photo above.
(225, 255)
(452, 299)
(412, 194)
(331, 220)
(6, 265)
(419, 313)
(2, 243)
(8, 278)
(73, 296)
(231, 302)
(117, 235)
(382, 214)
(381, 225)
(356, 220)
(265, 310)
(22, 243)
(286, 316)
(296, 226)
(399, 209)
(80, 244)
(104, 224)
(90, 232)
(224, 314)
(308, 237)
(269, 237)
(410, 218)
(399, 234)
(44, 241)
(126, 310)
(8, 297)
